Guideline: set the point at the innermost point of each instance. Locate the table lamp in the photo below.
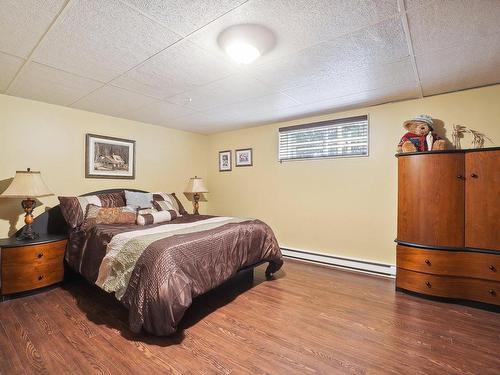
(28, 185)
(195, 187)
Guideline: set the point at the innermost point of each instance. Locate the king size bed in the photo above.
(156, 269)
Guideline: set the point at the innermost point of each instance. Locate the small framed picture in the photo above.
(224, 161)
(243, 157)
(109, 157)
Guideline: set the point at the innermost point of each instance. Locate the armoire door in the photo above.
(482, 202)
(431, 189)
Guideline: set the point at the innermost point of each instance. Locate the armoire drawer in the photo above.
(449, 286)
(449, 263)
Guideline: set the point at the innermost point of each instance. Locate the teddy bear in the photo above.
(420, 136)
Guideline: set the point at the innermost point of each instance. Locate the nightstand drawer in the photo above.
(22, 278)
(34, 255)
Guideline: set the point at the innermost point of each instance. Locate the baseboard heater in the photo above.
(381, 269)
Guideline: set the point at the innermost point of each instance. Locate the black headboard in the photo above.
(52, 220)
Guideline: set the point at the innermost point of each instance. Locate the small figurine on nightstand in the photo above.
(420, 136)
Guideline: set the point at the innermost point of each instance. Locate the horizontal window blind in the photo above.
(327, 139)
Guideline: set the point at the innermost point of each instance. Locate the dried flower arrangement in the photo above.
(478, 138)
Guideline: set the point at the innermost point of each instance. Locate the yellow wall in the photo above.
(344, 206)
(339, 206)
(51, 139)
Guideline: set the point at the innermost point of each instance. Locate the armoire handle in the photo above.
(473, 175)
(460, 177)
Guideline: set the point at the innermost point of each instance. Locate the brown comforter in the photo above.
(171, 269)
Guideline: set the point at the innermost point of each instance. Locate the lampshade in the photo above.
(196, 185)
(27, 184)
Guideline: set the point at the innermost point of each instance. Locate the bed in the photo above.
(156, 270)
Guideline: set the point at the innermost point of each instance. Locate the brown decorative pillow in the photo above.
(108, 215)
(73, 208)
(171, 199)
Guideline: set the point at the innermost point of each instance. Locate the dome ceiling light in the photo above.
(245, 43)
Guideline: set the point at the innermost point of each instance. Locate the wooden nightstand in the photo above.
(32, 264)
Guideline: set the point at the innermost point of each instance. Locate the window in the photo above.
(327, 139)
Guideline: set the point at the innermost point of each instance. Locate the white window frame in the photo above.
(338, 121)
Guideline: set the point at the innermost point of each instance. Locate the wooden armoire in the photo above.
(448, 241)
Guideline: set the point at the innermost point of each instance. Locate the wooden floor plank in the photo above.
(309, 320)
(10, 363)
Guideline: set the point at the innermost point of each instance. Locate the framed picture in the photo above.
(224, 161)
(108, 157)
(243, 157)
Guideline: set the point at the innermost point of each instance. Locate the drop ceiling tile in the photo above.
(236, 115)
(464, 66)
(181, 67)
(159, 113)
(374, 45)
(183, 16)
(204, 123)
(222, 120)
(102, 39)
(23, 22)
(352, 82)
(256, 110)
(298, 24)
(447, 23)
(46, 84)
(9, 65)
(112, 101)
(225, 91)
(411, 4)
(362, 99)
(261, 106)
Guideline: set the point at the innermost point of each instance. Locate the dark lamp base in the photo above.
(27, 235)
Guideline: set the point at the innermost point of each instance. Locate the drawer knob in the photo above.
(40, 255)
(492, 292)
(429, 285)
(473, 175)
(40, 277)
(428, 262)
(492, 268)
(460, 177)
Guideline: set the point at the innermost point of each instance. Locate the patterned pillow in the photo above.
(73, 208)
(156, 217)
(108, 215)
(171, 203)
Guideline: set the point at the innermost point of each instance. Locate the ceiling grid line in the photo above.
(159, 61)
(59, 16)
(406, 28)
(110, 82)
(147, 15)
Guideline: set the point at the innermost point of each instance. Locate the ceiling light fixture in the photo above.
(247, 42)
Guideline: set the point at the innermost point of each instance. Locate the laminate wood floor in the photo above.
(309, 320)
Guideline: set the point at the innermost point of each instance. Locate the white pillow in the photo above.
(156, 217)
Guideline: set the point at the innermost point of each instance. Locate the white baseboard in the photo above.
(359, 265)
